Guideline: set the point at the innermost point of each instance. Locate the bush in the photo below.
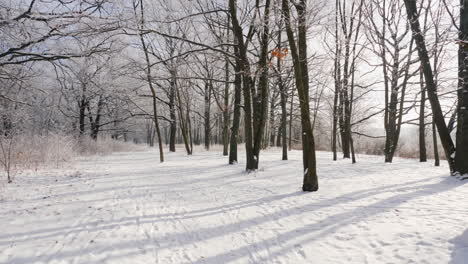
(104, 146)
(31, 152)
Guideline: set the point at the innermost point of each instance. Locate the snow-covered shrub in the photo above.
(103, 146)
(31, 152)
(369, 146)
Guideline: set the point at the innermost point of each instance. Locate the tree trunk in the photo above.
(261, 95)
(284, 118)
(436, 148)
(82, 110)
(207, 124)
(284, 112)
(189, 128)
(247, 83)
(402, 97)
(272, 129)
(150, 134)
(279, 137)
(96, 125)
(254, 99)
(150, 84)
(183, 123)
(345, 105)
(345, 113)
(301, 74)
(337, 77)
(172, 115)
(291, 108)
(226, 111)
(282, 130)
(461, 156)
(392, 106)
(236, 116)
(422, 125)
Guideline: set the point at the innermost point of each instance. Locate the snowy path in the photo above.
(128, 208)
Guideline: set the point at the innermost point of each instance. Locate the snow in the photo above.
(129, 208)
(460, 252)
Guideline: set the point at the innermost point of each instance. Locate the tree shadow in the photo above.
(128, 177)
(217, 178)
(460, 249)
(348, 197)
(329, 225)
(335, 222)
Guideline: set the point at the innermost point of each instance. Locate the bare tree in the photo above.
(255, 96)
(148, 73)
(32, 28)
(394, 46)
(446, 140)
(301, 74)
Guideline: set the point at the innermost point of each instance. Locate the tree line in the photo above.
(292, 74)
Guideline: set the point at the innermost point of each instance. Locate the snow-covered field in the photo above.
(129, 208)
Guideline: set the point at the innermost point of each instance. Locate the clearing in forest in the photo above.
(129, 208)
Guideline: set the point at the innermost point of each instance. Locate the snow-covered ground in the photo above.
(129, 208)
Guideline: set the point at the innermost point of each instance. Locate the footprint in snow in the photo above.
(300, 250)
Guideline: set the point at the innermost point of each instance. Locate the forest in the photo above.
(374, 92)
(273, 73)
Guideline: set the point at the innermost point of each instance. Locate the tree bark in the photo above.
(272, 134)
(226, 115)
(82, 110)
(284, 118)
(279, 134)
(96, 124)
(461, 156)
(291, 108)
(172, 115)
(422, 125)
(436, 148)
(207, 123)
(236, 116)
(337, 77)
(183, 117)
